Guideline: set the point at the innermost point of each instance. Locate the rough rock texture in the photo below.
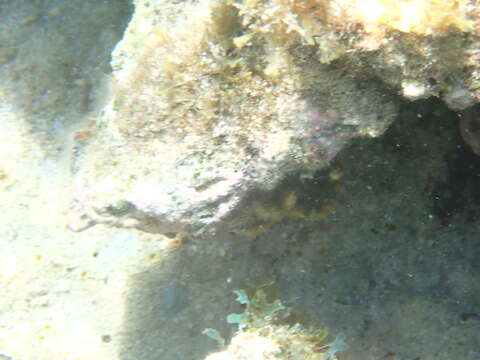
(201, 120)
(214, 102)
(423, 48)
(470, 127)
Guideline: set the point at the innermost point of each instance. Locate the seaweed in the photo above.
(260, 333)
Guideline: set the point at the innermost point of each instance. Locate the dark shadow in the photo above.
(380, 268)
(170, 304)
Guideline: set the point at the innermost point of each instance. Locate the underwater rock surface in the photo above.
(201, 119)
(215, 102)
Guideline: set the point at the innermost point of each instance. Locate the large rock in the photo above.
(214, 102)
(206, 112)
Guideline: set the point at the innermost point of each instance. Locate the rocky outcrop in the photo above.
(213, 103)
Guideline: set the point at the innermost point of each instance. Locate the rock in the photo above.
(470, 128)
(209, 110)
